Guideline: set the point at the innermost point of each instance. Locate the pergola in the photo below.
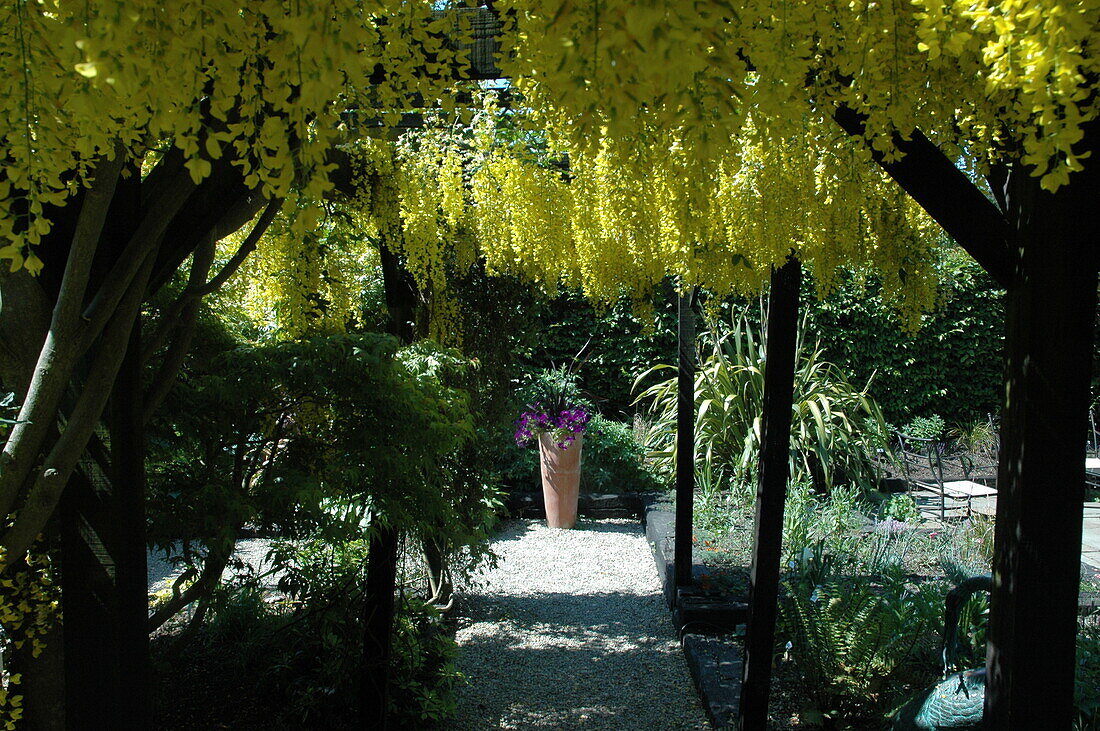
(1040, 246)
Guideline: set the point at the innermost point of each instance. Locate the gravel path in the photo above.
(252, 551)
(571, 631)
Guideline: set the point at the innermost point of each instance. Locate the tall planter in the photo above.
(561, 480)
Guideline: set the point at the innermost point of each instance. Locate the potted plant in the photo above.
(557, 424)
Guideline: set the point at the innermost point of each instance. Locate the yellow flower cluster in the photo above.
(410, 198)
(265, 80)
(30, 606)
(624, 213)
(971, 75)
(305, 277)
(1036, 59)
(691, 138)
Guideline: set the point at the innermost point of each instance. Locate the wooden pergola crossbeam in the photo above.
(930, 178)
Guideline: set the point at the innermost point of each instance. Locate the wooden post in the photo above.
(771, 493)
(1050, 319)
(685, 440)
(131, 557)
(378, 612)
(104, 586)
(88, 602)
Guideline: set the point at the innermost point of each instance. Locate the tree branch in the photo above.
(222, 198)
(213, 566)
(183, 313)
(25, 313)
(183, 320)
(159, 214)
(54, 473)
(246, 248)
(61, 349)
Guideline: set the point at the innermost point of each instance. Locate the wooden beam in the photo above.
(1050, 323)
(131, 557)
(378, 614)
(771, 492)
(685, 440)
(89, 603)
(104, 583)
(944, 191)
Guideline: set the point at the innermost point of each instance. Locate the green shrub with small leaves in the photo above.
(952, 365)
(925, 427)
(900, 507)
(314, 657)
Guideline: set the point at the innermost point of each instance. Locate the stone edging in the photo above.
(704, 623)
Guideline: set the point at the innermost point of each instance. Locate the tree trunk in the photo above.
(439, 580)
(401, 296)
(378, 612)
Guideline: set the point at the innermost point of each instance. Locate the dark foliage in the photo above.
(953, 366)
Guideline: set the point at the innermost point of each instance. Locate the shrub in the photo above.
(978, 439)
(900, 507)
(830, 442)
(1087, 695)
(968, 549)
(952, 365)
(614, 460)
(313, 659)
(925, 427)
(852, 640)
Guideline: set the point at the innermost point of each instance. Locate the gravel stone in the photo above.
(251, 551)
(571, 631)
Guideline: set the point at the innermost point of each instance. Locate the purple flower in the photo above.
(564, 426)
(891, 527)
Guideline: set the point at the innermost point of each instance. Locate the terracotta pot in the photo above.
(561, 480)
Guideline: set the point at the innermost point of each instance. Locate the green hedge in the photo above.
(952, 367)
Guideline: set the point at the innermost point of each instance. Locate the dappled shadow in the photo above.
(571, 631)
(553, 660)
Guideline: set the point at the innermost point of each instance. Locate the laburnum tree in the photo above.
(137, 136)
(708, 140)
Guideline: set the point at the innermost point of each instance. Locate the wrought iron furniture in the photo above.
(929, 465)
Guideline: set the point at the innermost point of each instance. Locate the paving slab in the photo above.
(929, 504)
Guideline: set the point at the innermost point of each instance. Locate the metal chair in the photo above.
(928, 465)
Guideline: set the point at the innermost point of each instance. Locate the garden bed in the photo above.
(708, 615)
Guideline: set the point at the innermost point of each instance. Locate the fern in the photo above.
(850, 637)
